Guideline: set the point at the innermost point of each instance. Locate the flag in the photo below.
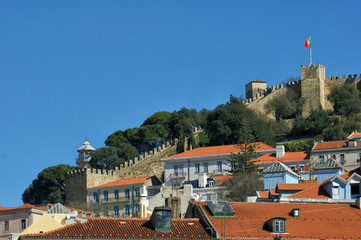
(308, 42)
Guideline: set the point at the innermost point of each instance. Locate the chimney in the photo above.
(188, 190)
(280, 151)
(202, 180)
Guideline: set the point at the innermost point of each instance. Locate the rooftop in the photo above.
(316, 221)
(296, 186)
(289, 156)
(332, 144)
(217, 150)
(125, 181)
(105, 228)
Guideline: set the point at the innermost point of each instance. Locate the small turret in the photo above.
(84, 154)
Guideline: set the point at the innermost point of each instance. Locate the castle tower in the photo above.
(84, 154)
(255, 87)
(312, 87)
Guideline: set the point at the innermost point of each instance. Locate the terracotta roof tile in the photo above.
(289, 156)
(296, 186)
(125, 181)
(333, 144)
(315, 191)
(119, 228)
(217, 150)
(221, 179)
(316, 221)
(274, 193)
(354, 134)
(263, 194)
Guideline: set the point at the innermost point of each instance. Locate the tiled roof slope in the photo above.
(296, 186)
(120, 228)
(217, 150)
(125, 181)
(333, 144)
(289, 156)
(221, 179)
(354, 134)
(317, 191)
(316, 221)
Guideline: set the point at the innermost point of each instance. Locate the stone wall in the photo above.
(77, 182)
(314, 86)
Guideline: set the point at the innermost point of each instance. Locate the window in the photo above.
(180, 170)
(116, 211)
(205, 167)
(126, 210)
(355, 188)
(196, 167)
(106, 212)
(279, 226)
(137, 208)
(6, 226)
(321, 159)
(211, 183)
(116, 195)
(105, 193)
(175, 170)
(219, 167)
(342, 159)
(22, 223)
(126, 194)
(293, 168)
(301, 168)
(137, 193)
(95, 197)
(335, 190)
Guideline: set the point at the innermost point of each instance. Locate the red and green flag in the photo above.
(308, 43)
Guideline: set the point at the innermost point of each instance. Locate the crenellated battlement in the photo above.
(263, 94)
(344, 78)
(294, 83)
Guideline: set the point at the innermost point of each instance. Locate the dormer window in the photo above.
(279, 226)
(296, 212)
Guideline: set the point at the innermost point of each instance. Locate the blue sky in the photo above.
(76, 69)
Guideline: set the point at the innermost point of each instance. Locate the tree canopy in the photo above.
(49, 186)
(346, 100)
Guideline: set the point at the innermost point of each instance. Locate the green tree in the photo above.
(243, 161)
(346, 100)
(280, 107)
(224, 123)
(334, 133)
(105, 158)
(245, 179)
(317, 121)
(353, 123)
(48, 187)
(298, 146)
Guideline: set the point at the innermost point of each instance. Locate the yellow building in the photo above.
(124, 198)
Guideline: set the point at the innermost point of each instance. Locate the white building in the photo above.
(213, 161)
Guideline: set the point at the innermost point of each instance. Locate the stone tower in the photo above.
(255, 87)
(84, 154)
(312, 87)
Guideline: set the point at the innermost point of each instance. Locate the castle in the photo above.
(314, 87)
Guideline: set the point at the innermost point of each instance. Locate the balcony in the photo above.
(181, 176)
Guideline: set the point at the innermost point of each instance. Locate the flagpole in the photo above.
(310, 52)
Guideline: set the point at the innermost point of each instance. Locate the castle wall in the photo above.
(77, 182)
(294, 90)
(254, 88)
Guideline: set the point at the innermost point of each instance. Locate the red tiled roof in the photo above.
(273, 192)
(217, 150)
(119, 228)
(24, 206)
(315, 191)
(221, 179)
(316, 221)
(263, 194)
(347, 175)
(354, 134)
(296, 186)
(125, 181)
(289, 156)
(333, 144)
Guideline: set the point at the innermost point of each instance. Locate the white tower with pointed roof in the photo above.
(84, 154)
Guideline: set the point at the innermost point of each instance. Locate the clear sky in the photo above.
(76, 69)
